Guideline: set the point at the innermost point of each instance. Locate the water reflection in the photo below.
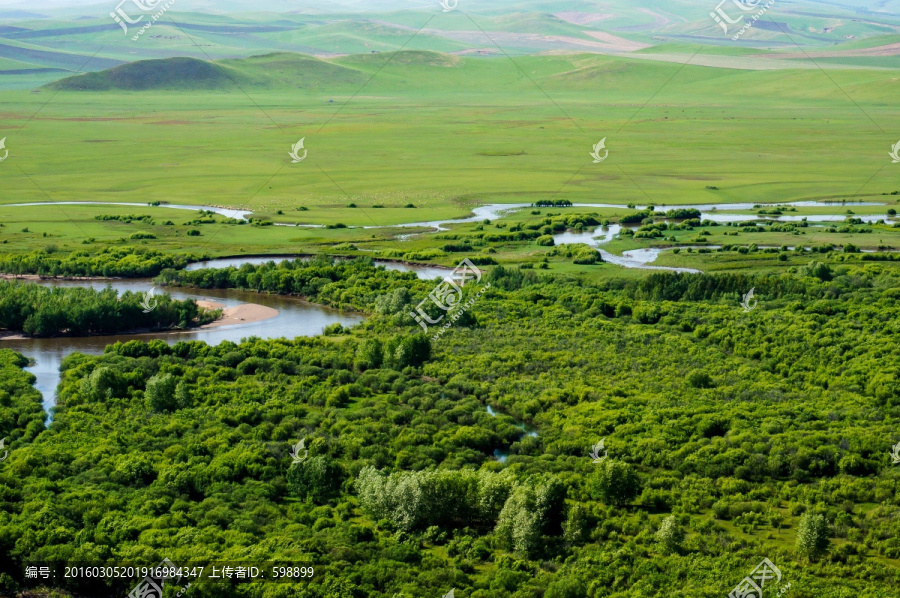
(295, 318)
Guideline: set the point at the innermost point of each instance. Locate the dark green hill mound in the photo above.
(168, 73)
(270, 71)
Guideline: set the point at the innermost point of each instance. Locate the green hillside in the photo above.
(279, 70)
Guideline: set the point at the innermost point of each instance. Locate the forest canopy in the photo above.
(729, 437)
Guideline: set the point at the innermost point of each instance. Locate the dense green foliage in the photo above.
(732, 436)
(21, 414)
(37, 310)
(354, 284)
(125, 262)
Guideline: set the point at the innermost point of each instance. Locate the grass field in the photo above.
(447, 133)
(442, 134)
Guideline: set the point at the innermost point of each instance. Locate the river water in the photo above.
(637, 258)
(298, 318)
(295, 318)
(497, 210)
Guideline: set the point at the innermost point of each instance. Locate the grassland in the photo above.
(432, 130)
(437, 132)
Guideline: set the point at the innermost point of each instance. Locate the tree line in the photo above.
(37, 310)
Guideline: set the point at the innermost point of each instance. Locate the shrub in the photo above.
(699, 379)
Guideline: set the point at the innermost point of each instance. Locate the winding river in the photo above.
(298, 318)
(498, 210)
(295, 318)
(637, 258)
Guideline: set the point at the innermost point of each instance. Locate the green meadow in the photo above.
(420, 136)
(447, 133)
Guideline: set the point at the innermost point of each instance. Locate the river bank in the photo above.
(246, 313)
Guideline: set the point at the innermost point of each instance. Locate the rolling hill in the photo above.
(270, 71)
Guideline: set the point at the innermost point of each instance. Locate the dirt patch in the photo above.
(242, 314)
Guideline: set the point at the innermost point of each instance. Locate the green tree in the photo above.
(577, 525)
(316, 478)
(818, 270)
(533, 510)
(394, 302)
(669, 536)
(183, 395)
(412, 351)
(369, 354)
(812, 536)
(519, 525)
(615, 483)
(160, 393)
(699, 379)
(103, 383)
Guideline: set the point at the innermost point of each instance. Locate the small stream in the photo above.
(498, 210)
(636, 258)
(503, 454)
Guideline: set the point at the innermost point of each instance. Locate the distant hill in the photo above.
(169, 73)
(21, 14)
(270, 71)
